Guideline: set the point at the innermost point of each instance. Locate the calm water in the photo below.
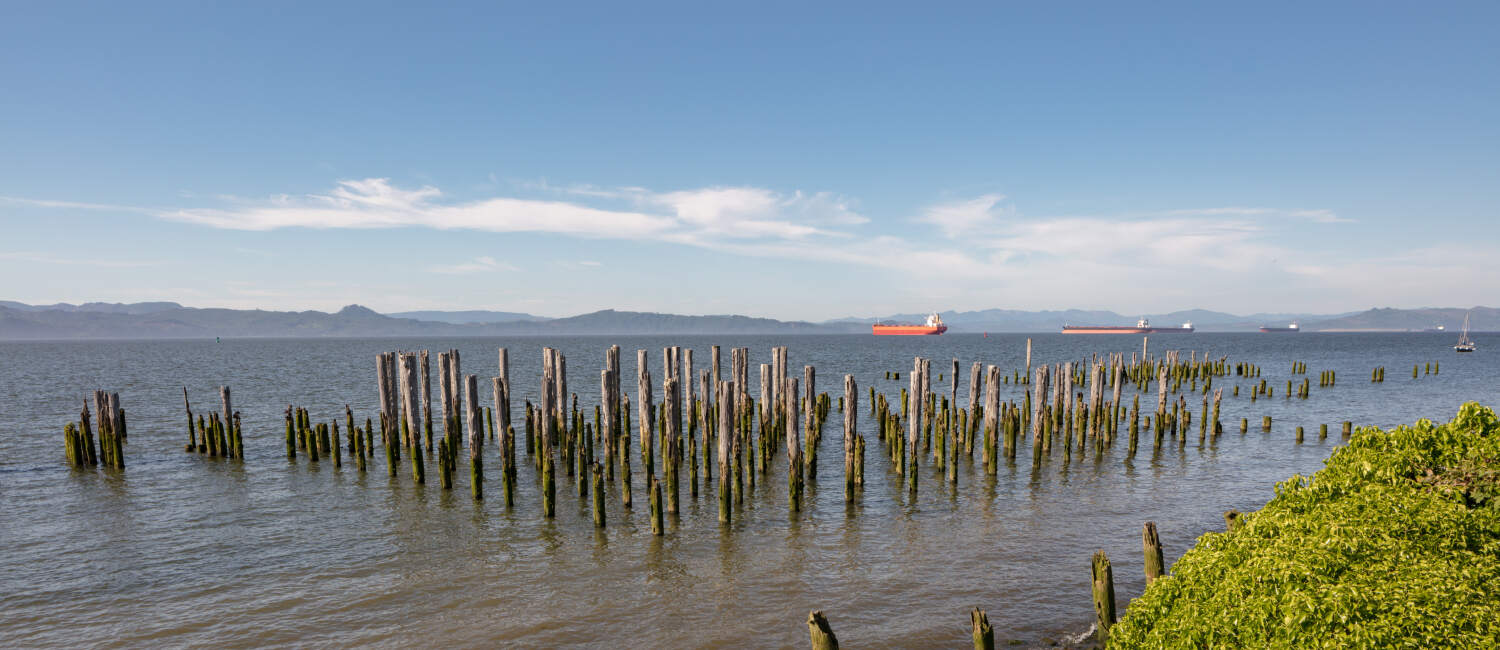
(179, 549)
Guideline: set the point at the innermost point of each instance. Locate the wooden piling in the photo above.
(410, 401)
(793, 447)
(1104, 596)
(426, 372)
(192, 438)
(851, 415)
(646, 415)
(671, 450)
(88, 436)
(476, 437)
(1151, 546)
(917, 400)
(226, 412)
(982, 633)
(726, 422)
(656, 508)
(820, 632)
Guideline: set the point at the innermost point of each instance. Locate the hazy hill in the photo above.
(171, 320)
(28, 322)
(1012, 320)
(469, 316)
(631, 322)
(1451, 318)
(102, 307)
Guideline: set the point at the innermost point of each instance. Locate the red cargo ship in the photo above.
(933, 326)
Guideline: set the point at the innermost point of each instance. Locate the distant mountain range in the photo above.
(466, 317)
(170, 320)
(19, 321)
(1480, 319)
(1011, 320)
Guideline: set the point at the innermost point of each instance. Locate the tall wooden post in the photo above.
(427, 396)
(851, 421)
(725, 426)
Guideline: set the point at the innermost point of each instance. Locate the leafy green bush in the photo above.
(1394, 543)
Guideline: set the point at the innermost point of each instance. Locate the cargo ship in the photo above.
(1289, 329)
(1142, 326)
(933, 326)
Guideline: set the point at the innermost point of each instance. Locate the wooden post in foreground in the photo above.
(476, 436)
(726, 423)
(984, 635)
(1151, 545)
(821, 633)
(851, 415)
(1104, 596)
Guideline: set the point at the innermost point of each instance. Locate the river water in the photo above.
(179, 549)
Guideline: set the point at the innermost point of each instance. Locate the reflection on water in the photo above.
(179, 549)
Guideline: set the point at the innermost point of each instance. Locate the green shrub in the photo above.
(1394, 543)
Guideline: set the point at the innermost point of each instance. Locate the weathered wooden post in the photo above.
(647, 414)
(117, 430)
(426, 397)
(545, 436)
(821, 634)
(1151, 545)
(607, 418)
(656, 520)
(1117, 408)
(226, 412)
(1038, 419)
(671, 451)
(476, 437)
(412, 422)
(725, 426)
(793, 448)
(598, 479)
(811, 424)
(1104, 595)
(851, 415)
(71, 446)
(390, 447)
(624, 450)
(88, 436)
(192, 445)
(916, 400)
(502, 402)
(984, 635)
(1028, 359)
(385, 390)
(974, 374)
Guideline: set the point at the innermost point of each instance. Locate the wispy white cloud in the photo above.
(689, 216)
(1320, 216)
(732, 210)
(980, 248)
(46, 203)
(958, 218)
(1317, 216)
(484, 264)
(47, 258)
(374, 203)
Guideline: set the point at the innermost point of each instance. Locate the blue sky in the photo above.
(769, 159)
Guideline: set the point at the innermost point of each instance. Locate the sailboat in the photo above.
(1465, 344)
